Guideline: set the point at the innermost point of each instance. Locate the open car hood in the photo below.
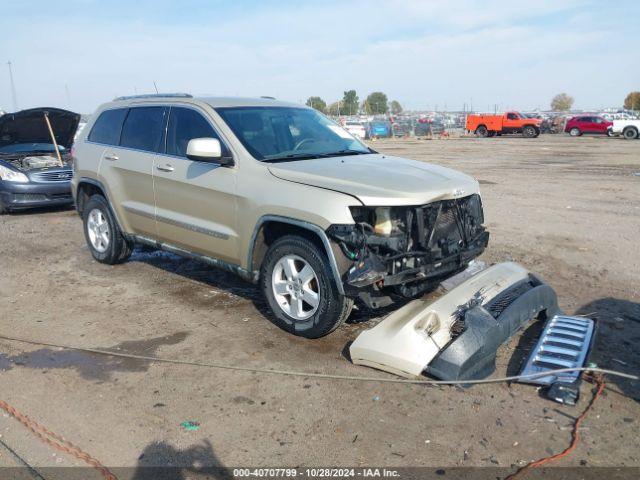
(29, 126)
(378, 180)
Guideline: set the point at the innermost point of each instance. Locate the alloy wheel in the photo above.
(295, 287)
(98, 230)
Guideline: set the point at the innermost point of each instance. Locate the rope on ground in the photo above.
(356, 378)
(575, 434)
(56, 441)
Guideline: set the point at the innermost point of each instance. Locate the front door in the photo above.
(511, 122)
(195, 200)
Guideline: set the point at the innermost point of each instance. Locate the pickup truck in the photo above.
(509, 122)
(627, 128)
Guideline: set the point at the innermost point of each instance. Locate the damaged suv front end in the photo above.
(404, 251)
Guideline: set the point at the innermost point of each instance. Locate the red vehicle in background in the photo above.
(576, 126)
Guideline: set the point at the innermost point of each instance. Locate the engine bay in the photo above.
(33, 162)
(408, 250)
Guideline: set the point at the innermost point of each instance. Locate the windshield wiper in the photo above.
(341, 153)
(292, 157)
(306, 156)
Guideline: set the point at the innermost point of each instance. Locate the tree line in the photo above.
(376, 103)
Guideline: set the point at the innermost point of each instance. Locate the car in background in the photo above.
(629, 129)
(490, 125)
(32, 173)
(356, 129)
(426, 127)
(401, 127)
(378, 129)
(593, 124)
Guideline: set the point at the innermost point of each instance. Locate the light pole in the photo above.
(13, 89)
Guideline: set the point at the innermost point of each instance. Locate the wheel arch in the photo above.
(88, 187)
(271, 227)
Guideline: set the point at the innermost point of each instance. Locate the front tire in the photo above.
(298, 284)
(104, 238)
(630, 133)
(529, 132)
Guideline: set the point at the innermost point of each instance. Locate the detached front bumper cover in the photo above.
(488, 309)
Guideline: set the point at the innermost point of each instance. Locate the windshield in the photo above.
(289, 133)
(30, 147)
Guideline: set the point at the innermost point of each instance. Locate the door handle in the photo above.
(111, 156)
(165, 168)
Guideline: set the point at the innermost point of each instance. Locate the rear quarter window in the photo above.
(108, 127)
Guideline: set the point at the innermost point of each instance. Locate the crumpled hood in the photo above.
(379, 180)
(29, 126)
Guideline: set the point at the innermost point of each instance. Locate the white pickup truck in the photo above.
(627, 128)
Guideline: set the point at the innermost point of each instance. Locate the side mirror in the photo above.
(207, 150)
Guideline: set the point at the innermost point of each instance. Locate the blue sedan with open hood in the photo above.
(35, 158)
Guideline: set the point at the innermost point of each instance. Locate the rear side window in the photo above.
(185, 124)
(108, 127)
(142, 128)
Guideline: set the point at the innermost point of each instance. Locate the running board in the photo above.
(564, 343)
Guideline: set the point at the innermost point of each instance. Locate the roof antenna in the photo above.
(155, 86)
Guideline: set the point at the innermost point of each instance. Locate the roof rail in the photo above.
(154, 95)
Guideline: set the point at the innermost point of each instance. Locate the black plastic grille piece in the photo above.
(500, 302)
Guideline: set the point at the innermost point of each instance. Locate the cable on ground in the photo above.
(575, 434)
(294, 373)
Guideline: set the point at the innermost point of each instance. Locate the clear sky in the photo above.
(79, 53)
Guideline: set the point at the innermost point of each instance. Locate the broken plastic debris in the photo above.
(190, 425)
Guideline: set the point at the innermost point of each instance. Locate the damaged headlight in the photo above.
(380, 220)
(9, 175)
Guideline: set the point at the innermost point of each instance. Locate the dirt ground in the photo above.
(566, 208)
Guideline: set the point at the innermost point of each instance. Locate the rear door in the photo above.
(195, 200)
(599, 125)
(127, 168)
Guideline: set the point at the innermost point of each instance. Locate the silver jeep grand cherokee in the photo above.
(278, 194)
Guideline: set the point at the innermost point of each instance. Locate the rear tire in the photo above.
(482, 131)
(575, 132)
(529, 132)
(630, 133)
(104, 238)
(610, 133)
(282, 287)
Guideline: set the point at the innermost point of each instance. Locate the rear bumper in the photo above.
(16, 196)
